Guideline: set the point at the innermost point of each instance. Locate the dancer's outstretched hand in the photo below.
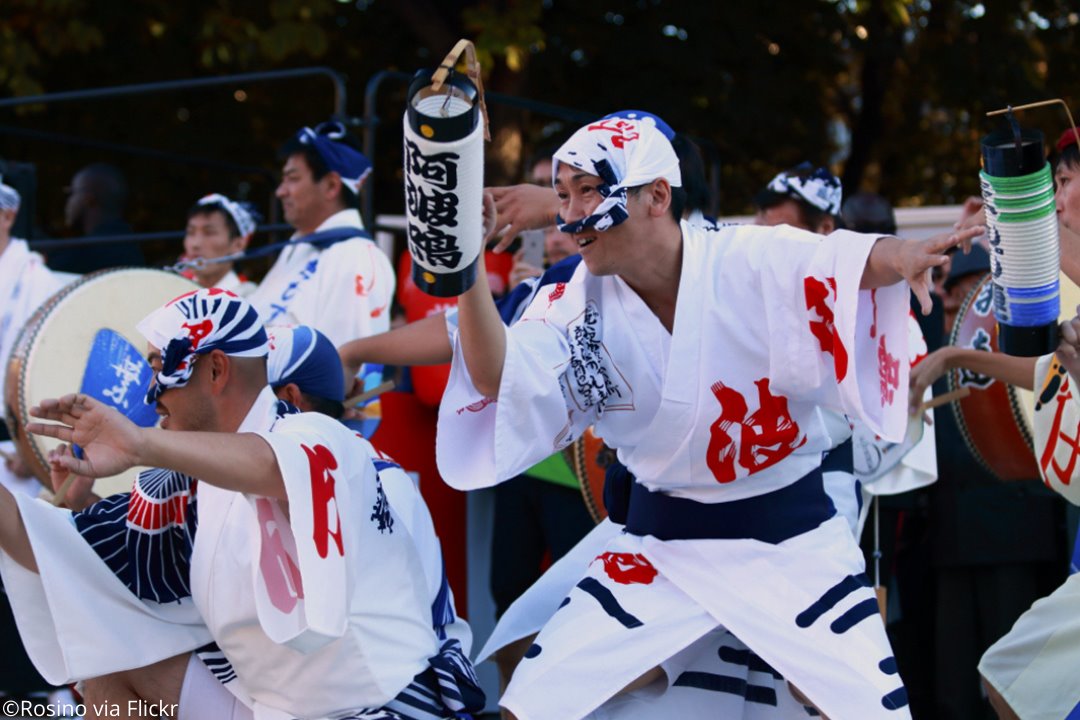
(110, 442)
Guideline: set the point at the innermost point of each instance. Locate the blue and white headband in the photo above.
(625, 153)
(195, 324)
(646, 116)
(304, 356)
(9, 197)
(241, 215)
(817, 186)
(351, 164)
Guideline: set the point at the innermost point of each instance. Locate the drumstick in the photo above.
(61, 493)
(948, 397)
(373, 392)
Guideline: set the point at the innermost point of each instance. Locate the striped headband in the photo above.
(9, 197)
(817, 186)
(625, 153)
(305, 356)
(351, 164)
(242, 216)
(196, 323)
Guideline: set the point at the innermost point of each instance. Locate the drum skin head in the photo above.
(51, 352)
(994, 419)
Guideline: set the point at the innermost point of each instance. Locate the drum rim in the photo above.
(29, 333)
(1019, 419)
(574, 453)
(23, 341)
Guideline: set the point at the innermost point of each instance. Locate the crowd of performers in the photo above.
(275, 564)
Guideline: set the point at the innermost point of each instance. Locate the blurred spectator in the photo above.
(868, 213)
(95, 208)
(217, 227)
(803, 196)
(330, 276)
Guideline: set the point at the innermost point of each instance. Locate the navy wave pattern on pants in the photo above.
(861, 610)
(732, 684)
(216, 662)
(609, 602)
(447, 688)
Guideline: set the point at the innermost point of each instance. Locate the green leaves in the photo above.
(505, 30)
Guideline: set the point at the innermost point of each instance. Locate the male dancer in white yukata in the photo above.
(25, 283)
(329, 261)
(704, 357)
(291, 576)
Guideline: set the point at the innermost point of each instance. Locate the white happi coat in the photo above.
(1056, 421)
(232, 282)
(25, 283)
(319, 613)
(343, 290)
(727, 407)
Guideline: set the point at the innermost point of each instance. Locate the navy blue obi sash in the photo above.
(773, 517)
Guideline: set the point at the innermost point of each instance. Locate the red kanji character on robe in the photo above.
(766, 437)
(889, 372)
(280, 575)
(1057, 438)
(821, 298)
(628, 568)
(722, 446)
(321, 461)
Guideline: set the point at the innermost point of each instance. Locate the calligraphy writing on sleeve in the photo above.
(821, 300)
(277, 566)
(593, 379)
(326, 520)
(888, 371)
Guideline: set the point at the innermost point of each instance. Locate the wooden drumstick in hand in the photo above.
(939, 400)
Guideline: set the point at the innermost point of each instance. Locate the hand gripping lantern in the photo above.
(445, 127)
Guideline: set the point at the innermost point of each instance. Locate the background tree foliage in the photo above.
(891, 94)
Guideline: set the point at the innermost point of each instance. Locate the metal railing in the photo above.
(174, 85)
(106, 93)
(371, 122)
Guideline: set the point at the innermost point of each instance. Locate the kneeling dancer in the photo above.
(261, 556)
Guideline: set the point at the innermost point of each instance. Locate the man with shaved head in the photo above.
(260, 570)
